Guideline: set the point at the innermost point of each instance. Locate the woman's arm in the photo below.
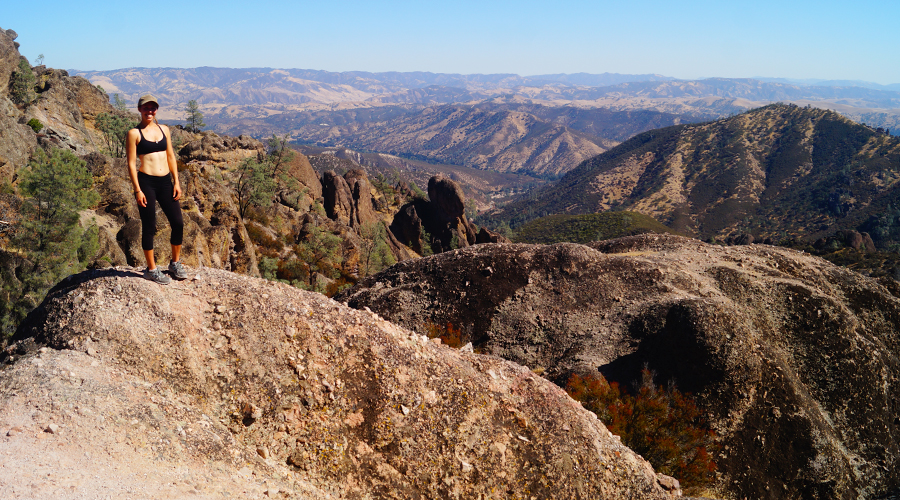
(131, 140)
(173, 163)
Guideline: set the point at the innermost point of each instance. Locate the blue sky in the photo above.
(687, 39)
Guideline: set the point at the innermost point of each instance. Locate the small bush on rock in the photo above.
(35, 125)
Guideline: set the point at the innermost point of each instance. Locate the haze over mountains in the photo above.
(542, 125)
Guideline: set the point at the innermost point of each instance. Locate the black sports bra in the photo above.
(145, 146)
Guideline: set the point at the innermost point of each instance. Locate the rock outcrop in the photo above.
(348, 201)
(225, 385)
(67, 107)
(847, 239)
(795, 360)
(209, 146)
(17, 140)
(337, 196)
(9, 58)
(442, 217)
(362, 212)
(348, 198)
(214, 234)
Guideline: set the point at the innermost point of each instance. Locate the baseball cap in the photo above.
(147, 98)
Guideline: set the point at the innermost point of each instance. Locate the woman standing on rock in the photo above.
(152, 143)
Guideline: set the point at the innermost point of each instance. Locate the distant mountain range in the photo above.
(498, 135)
(227, 93)
(833, 83)
(780, 171)
(541, 125)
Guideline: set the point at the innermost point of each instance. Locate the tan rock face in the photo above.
(67, 106)
(267, 386)
(362, 212)
(301, 170)
(338, 198)
(794, 359)
(18, 140)
(214, 234)
(9, 60)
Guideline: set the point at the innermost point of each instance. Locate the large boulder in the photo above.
(408, 226)
(447, 197)
(485, 235)
(301, 170)
(229, 386)
(337, 196)
(9, 59)
(795, 360)
(362, 211)
(442, 216)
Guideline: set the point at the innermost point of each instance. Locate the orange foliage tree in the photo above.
(449, 334)
(663, 425)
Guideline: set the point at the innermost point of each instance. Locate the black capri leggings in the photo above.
(159, 188)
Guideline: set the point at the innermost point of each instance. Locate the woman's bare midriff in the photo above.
(154, 163)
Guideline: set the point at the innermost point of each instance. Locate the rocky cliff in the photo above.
(216, 234)
(225, 385)
(795, 360)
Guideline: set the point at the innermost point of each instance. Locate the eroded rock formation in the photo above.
(226, 385)
(441, 220)
(794, 359)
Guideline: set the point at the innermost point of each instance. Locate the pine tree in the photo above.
(49, 237)
(374, 254)
(21, 84)
(119, 103)
(253, 185)
(321, 252)
(193, 117)
(257, 180)
(115, 128)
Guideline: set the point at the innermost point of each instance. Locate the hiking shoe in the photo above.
(157, 276)
(177, 270)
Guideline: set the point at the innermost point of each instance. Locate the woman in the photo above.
(152, 143)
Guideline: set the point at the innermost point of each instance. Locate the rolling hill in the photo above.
(230, 94)
(780, 171)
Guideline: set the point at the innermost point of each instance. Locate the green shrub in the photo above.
(48, 237)
(21, 84)
(268, 266)
(374, 253)
(35, 125)
(115, 127)
(663, 425)
(588, 227)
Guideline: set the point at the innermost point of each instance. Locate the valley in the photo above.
(540, 125)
